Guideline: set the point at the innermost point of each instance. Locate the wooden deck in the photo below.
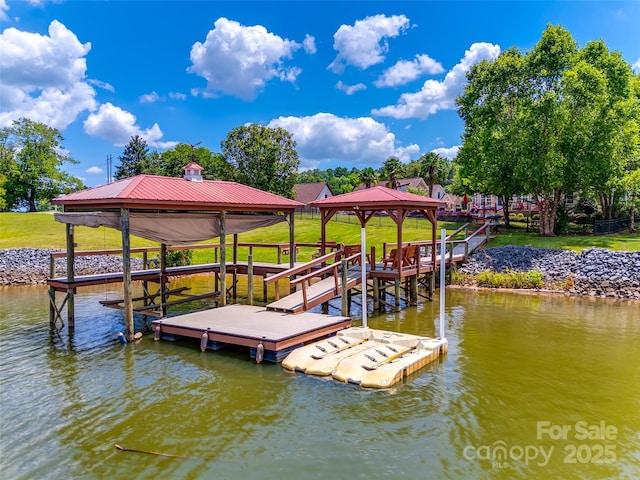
(248, 326)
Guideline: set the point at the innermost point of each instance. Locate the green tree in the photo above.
(263, 157)
(136, 159)
(557, 120)
(30, 159)
(369, 177)
(3, 193)
(173, 161)
(393, 169)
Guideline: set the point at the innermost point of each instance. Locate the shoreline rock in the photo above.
(596, 272)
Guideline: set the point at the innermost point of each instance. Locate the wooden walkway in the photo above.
(275, 333)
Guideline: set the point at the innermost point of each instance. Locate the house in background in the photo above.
(309, 192)
(415, 182)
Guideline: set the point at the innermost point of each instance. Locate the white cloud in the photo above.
(309, 44)
(238, 60)
(350, 89)
(94, 170)
(118, 126)
(150, 97)
(177, 96)
(43, 77)
(364, 44)
(100, 84)
(3, 10)
(405, 71)
(324, 137)
(434, 95)
(636, 66)
(449, 153)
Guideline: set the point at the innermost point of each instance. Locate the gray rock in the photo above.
(594, 272)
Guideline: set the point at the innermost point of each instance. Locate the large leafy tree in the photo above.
(556, 120)
(173, 161)
(263, 157)
(31, 156)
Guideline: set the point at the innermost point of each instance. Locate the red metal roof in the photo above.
(377, 198)
(173, 193)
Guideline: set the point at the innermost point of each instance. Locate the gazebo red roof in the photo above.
(174, 193)
(377, 198)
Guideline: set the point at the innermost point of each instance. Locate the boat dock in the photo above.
(269, 335)
(366, 357)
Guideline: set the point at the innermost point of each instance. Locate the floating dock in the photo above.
(269, 335)
(366, 357)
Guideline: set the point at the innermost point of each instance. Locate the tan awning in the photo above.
(171, 228)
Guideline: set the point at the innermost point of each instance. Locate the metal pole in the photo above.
(363, 272)
(443, 269)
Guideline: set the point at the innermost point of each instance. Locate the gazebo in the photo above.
(170, 210)
(397, 205)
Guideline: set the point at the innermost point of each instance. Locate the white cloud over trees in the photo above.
(364, 43)
(324, 137)
(43, 77)
(118, 126)
(239, 60)
(405, 71)
(439, 95)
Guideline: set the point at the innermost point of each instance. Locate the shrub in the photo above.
(510, 279)
(178, 258)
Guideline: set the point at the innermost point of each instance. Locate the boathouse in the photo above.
(167, 210)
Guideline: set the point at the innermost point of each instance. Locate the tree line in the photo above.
(557, 120)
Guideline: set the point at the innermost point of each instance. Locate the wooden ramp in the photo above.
(248, 326)
(316, 293)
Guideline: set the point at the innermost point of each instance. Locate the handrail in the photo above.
(456, 232)
(302, 268)
(332, 267)
(317, 273)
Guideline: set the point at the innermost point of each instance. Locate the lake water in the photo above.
(532, 387)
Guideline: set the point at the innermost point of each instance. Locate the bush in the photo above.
(179, 258)
(510, 279)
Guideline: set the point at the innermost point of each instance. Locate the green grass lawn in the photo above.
(40, 230)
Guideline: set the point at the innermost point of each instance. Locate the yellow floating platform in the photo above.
(367, 357)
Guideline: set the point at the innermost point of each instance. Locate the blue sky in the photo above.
(354, 82)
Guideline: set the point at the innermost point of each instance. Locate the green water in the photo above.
(532, 387)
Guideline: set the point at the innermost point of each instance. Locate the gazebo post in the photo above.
(223, 260)
(126, 274)
(234, 289)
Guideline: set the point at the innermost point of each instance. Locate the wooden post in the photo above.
(126, 274)
(345, 291)
(163, 277)
(376, 293)
(413, 290)
(250, 280)
(52, 291)
(292, 242)
(71, 310)
(234, 289)
(397, 293)
(223, 260)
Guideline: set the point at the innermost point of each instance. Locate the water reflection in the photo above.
(513, 361)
